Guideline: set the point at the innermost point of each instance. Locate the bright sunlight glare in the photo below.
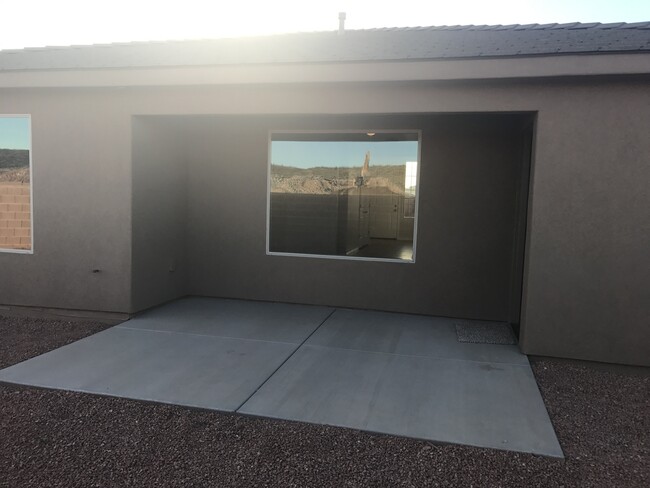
(35, 23)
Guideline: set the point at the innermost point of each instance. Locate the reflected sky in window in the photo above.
(14, 132)
(309, 154)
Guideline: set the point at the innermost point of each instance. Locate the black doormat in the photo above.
(484, 332)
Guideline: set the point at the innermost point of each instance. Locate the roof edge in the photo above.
(621, 64)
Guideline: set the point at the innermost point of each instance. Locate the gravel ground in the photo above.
(24, 338)
(64, 439)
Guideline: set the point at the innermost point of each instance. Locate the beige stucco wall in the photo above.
(587, 292)
(81, 151)
(468, 174)
(587, 286)
(159, 214)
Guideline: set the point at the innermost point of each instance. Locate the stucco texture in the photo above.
(586, 286)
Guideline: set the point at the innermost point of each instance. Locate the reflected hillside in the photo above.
(14, 165)
(327, 180)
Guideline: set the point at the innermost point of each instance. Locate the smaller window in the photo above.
(15, 184)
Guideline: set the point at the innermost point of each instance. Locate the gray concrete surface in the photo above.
(185, 369)
(408, 375)
(198, 352)
(415, 335)
(382, 372)
(482, 404)
(240, 319)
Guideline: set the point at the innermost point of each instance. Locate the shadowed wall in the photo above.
(470, 171)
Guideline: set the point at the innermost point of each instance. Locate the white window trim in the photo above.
(342, 131)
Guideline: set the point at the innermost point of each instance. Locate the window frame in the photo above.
(271, 132)
(31, 186)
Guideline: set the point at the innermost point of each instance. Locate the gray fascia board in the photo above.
(349, 72)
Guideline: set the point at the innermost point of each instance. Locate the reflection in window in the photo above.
(410, 183)
(343, 194)
(15, 181)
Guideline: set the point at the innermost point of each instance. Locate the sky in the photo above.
(14, 132)
(311, 154)
(37, 23)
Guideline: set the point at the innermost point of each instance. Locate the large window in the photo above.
(15, 184)
(345, 194)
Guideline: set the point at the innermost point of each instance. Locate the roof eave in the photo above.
(493, 68)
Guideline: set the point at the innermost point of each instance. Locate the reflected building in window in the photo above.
(343, 194)
(15, 183)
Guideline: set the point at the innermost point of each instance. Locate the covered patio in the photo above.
(399, 374)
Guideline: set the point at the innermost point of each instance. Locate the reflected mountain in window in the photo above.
(343, 194)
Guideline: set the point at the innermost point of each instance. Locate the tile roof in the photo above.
(384, 44)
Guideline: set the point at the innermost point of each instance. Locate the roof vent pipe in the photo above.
(341, 23)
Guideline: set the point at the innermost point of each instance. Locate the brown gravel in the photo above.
(23, 338)
(63, 439)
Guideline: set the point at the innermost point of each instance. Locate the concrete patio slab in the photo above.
(240, 319)
(184, 369)
(383, 372)
(482, 404)
(415, 335)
